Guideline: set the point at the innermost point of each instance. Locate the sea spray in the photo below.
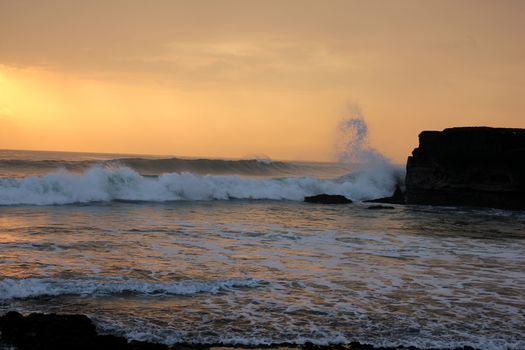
(373, 177)
(163, 180)
(125, 184)
(372, 168)
(352, 140)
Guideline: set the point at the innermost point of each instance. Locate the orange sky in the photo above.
(238, 78)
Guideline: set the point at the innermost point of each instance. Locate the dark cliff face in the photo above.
(474, 166)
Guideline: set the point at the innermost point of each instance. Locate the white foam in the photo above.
(318, 336)
(36, 287)
(122, 183)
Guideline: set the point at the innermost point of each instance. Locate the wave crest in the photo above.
(37, 287)
(122, 183)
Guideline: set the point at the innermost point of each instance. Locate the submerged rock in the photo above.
(327, 199)
(474, 166)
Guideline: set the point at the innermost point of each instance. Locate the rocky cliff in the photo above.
(474, 166)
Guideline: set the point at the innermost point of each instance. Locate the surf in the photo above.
(99, 184)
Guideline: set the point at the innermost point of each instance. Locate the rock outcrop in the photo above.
(398, 197)
(472, 166)
(327, 199)
(51, 331)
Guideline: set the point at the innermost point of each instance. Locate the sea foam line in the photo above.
(122, 183)
(37, 287)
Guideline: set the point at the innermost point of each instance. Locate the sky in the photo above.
(243, 78)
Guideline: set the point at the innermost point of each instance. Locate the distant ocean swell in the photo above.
(148, 166)
(125, 184)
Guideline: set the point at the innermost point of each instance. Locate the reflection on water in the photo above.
(264, 271)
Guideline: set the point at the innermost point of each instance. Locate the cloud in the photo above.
(266, 61)
(295, 43)
(189, 42)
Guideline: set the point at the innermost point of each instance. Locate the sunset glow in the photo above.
(262, 174)
(264, 78)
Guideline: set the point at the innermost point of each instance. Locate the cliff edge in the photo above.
(472, 166)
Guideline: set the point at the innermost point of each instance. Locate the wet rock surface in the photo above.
(52, 331)
(398, 197)
(470, 166)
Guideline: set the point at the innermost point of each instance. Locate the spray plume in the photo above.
(352, 140)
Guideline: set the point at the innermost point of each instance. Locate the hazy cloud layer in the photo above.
(304, 42)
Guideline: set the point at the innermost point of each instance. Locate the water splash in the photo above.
(353, 148)
(121, 183)
(352, 140)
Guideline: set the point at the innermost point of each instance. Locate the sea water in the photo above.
(205, 251)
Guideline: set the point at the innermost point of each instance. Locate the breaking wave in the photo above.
(125, 184)
(38, 287)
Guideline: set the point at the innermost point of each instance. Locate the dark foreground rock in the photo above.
(473, 166)
(50, 331)
(60, 332)
(397, 198)
(328, 199)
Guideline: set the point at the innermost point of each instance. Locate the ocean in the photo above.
(181, 250)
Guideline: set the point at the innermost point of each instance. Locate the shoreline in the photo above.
(73, 331)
